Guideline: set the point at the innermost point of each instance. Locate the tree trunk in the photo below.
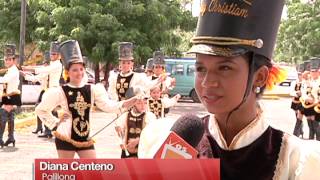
(96, 73)
(108, 67)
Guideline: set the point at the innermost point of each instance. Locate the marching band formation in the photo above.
(66, 100)
(137, 98)
(306, 101)
(75, 98)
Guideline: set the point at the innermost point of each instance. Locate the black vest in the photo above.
(79, 103)
(5, 86)
(154, 77)
(135, 125)
(155, 107)
(258, 160)
(122, 86)
(309, 90)
(297, 87)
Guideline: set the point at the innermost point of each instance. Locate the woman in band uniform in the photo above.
(76, 99)
(233, 67)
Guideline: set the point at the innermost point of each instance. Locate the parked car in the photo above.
(292, 75)
(31, 90)
(183, 70)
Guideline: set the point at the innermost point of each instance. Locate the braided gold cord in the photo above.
(225, 41)
(73, 142)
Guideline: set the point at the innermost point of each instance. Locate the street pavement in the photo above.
(16, 163)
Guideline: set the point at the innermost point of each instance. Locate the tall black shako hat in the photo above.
(149, 64)
(314, 64)
(158, 58)
(71, 53)
(126, 51)
(307, 65)
(10, 51)
(54, 47)
(234, 27)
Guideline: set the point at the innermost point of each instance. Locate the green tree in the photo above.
(99, 25)
(299, 34)
(10, 23)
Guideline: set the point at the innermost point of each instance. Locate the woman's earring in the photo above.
(257, 90)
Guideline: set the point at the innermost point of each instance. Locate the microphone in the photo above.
(190, 128)
(184, 136)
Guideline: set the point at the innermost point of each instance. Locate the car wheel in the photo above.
(194, 96)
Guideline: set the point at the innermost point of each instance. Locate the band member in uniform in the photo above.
(316, 89)
(317, 116)
(118, 85)
(297, 106)
(234, 43)
(43, 80)
(76, 99)
(309, 101)
(54, 73)
(11, 95)
(129, 126)
(159, 69)
(157, 103)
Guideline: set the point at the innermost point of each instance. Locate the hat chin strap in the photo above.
(246, 94)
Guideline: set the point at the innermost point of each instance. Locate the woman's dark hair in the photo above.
(255, 62)
(70, 64)
(68, 80)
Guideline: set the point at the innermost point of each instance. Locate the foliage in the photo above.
(299, 34)
(99, 25)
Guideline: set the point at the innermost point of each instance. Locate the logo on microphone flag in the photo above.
(174, 147)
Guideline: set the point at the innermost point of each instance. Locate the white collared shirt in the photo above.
(56, 97)
(54, 70)
(138, 80)
(165, 84)
(12, 79)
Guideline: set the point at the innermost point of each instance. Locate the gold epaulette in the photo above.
(317, 108)
(73, 142)
(307, 105)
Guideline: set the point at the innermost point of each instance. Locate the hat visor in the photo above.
(225, 51)
(9, 56)
(76, 61)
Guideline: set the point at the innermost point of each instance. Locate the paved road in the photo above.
(16, 163)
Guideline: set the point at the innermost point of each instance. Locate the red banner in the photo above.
(119, 169)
